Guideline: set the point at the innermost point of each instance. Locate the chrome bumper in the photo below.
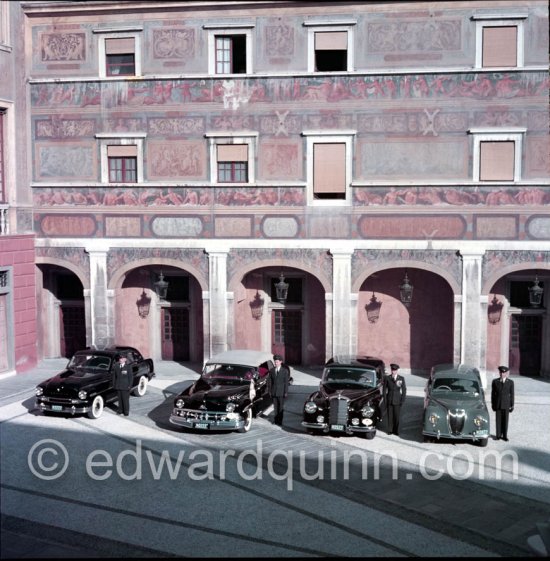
(348, 429)
(71, 409)
(230, 424)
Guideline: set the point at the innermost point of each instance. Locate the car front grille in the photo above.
(338, 411)
(58, 400)
(199, 415)
(456, 421)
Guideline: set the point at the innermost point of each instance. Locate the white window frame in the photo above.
(127, 33)
(248, 138)
(314, 27)
(329, 137)
(5, 39)
(217, 30)
(497, 135)
(121, 139)
(499, 20)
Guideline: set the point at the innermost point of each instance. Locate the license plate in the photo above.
(482, 433)
(201, 425)
(57, 408)
(337, 427)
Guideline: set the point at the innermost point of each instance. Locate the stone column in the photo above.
(218, 301)
(342, 335)
(102, 318)
(474, 321)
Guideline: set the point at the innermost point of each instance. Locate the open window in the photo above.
(330, 46)
(497, 155)
(329, 168)
(499, 40)
(229, 48)
(232, 157)
(119, 52)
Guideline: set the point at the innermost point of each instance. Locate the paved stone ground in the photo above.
(492, 514)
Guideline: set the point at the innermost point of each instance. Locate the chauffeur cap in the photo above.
(277, 357)
(503, 369)
(394, 366)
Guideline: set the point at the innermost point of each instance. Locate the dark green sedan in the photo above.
(454, 406)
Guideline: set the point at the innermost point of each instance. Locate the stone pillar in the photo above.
(474, 322)
(102, 319)
(218, 301)
(342, 335)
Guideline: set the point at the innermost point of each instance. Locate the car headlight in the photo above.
(367, 411)
(433, 418)
(479, 420)
(180, 403)
(230, 407)
(39, 391)
(310, 407)
(320, 419)
(82, 394)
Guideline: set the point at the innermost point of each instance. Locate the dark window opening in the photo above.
(121, 65)
(69, 287)
(122, 170)
(331, 61)
(178, 289)
(329, 196)
(231, 54)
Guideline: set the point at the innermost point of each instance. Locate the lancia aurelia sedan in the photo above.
(232, 389)
(86, 385)
(454, 405)
(348, 398)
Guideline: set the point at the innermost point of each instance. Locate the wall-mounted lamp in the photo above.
(373, 309)
(535, 294)
(494, 310)
(281, 289)
(161, 287)
(143, 304)
(257, 306)
(406, 291)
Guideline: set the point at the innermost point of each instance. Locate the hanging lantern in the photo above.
(494, 310)
(373, 309)
(281, 289)
(161, 287)
(406, 291)
(143, 305)
(257, 306)
(535, 294)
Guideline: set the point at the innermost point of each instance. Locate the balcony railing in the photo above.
(4, 224)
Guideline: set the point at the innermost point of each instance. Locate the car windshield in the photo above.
(228, 372)
(458, 385)
(89, 361)
(349, 377)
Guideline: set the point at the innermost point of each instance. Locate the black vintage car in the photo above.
(348, 398)
(87, 383)
(233, 387)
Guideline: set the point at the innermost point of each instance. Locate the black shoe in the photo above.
(505, 439)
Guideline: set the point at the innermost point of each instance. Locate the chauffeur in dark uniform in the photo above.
(395, 391)
(279, 379)
(502, 401)
(122, 382)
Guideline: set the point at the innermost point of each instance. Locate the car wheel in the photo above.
(483, 442)
(247, 421)
(370, 435)
(97, 407)
(141, 388)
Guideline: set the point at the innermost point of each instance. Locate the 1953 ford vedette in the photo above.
(454, 405)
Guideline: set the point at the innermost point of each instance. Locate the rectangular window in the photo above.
(500, 46)
(122, 161)
(331, 51)
(231, 54)
(120, 56)
(329, 171)
(232, 160)
(2, 158)
(496, 161)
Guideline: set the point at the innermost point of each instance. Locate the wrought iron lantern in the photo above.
(494, 311)
(406, 291)
(257, 306)
(535, 294)
(373, 309)
(281, 289)
(161, 287)
(143, 304)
